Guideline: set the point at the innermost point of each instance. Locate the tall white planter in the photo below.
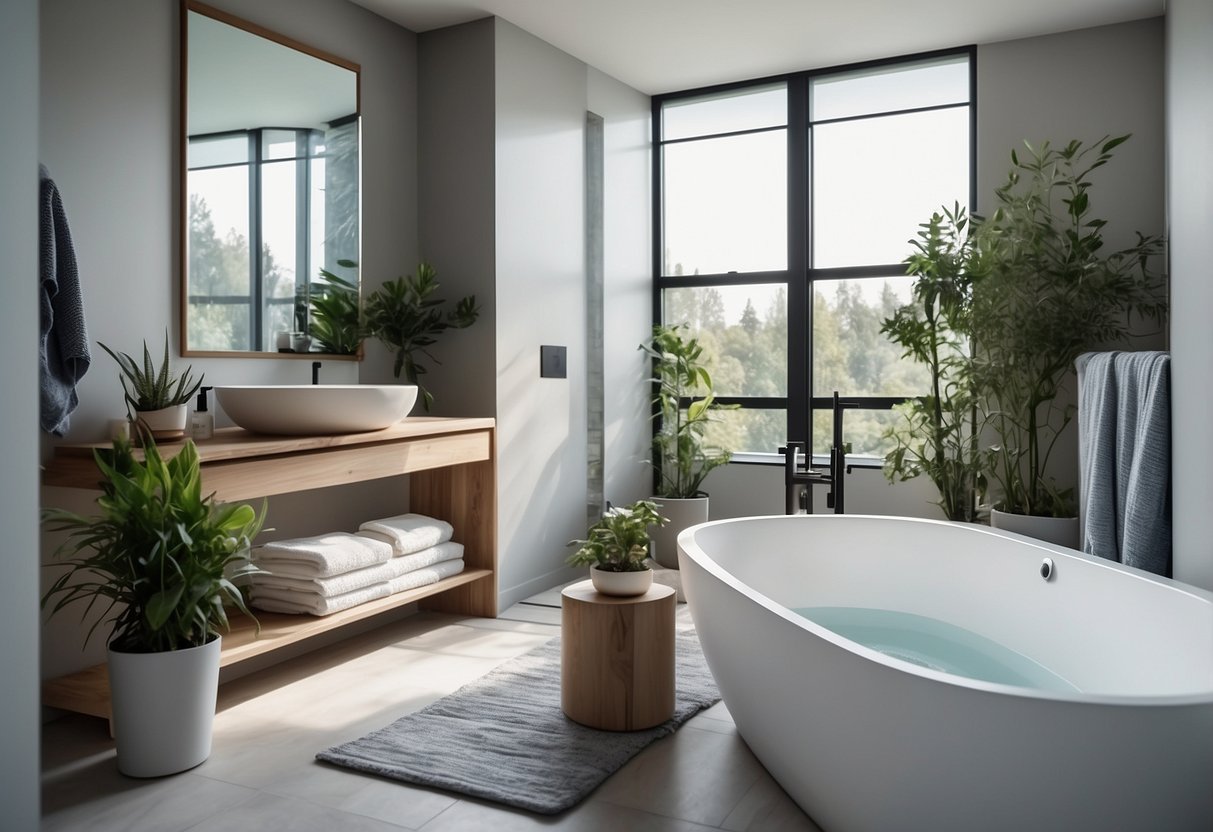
(682, 514)
(1060, 530)
(163, 708)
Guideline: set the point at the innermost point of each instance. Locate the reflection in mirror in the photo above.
(271, 189)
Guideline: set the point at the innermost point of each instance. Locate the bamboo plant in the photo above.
(938, 435)
(1047, 294)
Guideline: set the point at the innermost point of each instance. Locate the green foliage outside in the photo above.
(160, 558)
(749, 358)
(219, 267)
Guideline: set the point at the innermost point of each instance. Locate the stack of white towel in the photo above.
(332, 572)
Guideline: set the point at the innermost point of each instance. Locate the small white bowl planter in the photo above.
(166, 424)
(621, 583)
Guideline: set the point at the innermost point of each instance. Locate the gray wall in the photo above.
(1190, 220)
(502, 197)
(1075, 85)
(109, 99)
(19, 764)
(457, 218)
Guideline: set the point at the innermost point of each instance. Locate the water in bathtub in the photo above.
(937, 645)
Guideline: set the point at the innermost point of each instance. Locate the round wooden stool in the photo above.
(617, 657)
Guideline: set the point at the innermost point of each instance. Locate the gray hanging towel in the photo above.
(1124, 437)
(63, 355)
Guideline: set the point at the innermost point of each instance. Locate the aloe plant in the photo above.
(160, 557)
(147, 387)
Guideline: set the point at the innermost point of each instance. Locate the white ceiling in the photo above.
(664, 45)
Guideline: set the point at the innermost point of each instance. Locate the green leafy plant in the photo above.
(147, 387)
(160, 557)
(938, 433)
(685, 405)
(404, 315)
(1048, 293)
(336, 323)
(619, 542)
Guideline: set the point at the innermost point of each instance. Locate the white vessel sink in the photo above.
(302, 409)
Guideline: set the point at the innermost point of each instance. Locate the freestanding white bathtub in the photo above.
(1092, 710)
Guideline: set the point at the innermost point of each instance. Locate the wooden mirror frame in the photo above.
(186, 7)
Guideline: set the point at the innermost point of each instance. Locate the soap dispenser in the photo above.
(202, 423)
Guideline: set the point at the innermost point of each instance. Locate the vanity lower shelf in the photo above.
(452, 475)
(88, 691)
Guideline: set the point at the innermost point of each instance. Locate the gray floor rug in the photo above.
(504, 737)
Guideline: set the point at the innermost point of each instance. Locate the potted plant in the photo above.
(684, 404)
(160, 560)
(404, 316)
(336, 315)
(1048, 293)
(616, 548)
(938, 435)
(155, 399)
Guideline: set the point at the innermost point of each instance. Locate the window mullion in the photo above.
(799, 382)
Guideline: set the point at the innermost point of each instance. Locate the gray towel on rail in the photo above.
(63, 355)
(1124, 429)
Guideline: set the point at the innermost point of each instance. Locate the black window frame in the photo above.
(799, 403)
(306, 139)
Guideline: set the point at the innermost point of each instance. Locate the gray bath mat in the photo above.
(504, 738)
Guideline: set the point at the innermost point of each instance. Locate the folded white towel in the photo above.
(360, 578)
(424, 577)
(289, 601)
(408, 533)
(321, 556)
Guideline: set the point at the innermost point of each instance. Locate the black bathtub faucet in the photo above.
(797, 473)
(315, 372)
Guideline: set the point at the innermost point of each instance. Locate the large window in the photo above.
(784, 210)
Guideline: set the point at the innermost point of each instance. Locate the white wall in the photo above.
(1190, 220)
(109, 105)
(19, 764)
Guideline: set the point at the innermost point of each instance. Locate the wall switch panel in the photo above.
(553, 362)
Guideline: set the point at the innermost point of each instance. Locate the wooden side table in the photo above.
(617, 657)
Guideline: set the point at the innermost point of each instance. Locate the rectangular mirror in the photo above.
(270, 228)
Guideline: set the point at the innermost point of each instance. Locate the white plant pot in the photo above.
(682, 514)
(163, 708)
(165, 424)
(1060, 530)
(621, 583)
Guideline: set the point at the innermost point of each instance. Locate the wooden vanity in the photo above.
(452, 468)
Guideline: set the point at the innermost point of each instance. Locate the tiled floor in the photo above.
(261, 774)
